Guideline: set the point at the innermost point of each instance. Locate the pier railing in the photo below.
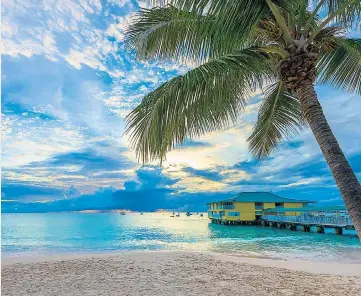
(313, 220)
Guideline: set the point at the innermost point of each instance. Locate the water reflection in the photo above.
(80, 232)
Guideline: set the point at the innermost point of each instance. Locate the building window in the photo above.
(259, 205)
(228, 205)
(279, 205)
(234, 214)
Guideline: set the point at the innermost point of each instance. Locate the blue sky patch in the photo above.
(67, 85)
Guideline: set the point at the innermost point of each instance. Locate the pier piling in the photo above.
(306, 228)
(320, 229)
(338, 230)
(292, 227)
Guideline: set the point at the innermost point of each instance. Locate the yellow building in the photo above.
(249, 206)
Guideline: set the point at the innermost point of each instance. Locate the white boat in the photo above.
(177, 215)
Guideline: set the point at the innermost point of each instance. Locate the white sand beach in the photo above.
(175, 273)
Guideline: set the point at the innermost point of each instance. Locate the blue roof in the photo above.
(260, 197)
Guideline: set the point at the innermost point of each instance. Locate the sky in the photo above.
(67, 84)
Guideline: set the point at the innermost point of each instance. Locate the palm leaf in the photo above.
(189, 34)
(342, 12)
(341, 67)
(207, 98)
(279, 117)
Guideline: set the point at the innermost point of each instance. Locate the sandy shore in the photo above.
(175, 273)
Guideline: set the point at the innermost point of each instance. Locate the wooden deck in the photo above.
(292, 222)
(311, 221)
(306, 222)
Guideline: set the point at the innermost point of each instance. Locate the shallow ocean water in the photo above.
(50, 233)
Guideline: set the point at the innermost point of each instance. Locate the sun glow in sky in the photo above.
(67, 85)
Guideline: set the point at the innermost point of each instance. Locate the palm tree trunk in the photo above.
(345, 178)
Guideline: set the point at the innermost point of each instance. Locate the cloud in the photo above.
(29, 193)
(87, 170)
(100, 199)
(212, 175)
(302, 182)
(150, 189)
(21, 147)
(68, 83)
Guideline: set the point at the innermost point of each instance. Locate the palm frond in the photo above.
(328, 39)
(342, 66)
(189, 34)
(207, 98)
(343, 12)
(279, 117)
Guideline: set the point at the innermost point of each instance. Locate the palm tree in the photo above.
(282, 47)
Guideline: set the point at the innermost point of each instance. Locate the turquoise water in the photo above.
(35, 234)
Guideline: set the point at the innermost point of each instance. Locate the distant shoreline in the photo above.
(176, 273)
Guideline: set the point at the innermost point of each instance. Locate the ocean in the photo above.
(65, 233)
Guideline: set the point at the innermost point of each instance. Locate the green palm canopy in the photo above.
(281, 47)
(239, 47)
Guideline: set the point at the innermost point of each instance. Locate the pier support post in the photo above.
(292, 227)
(320, 229)
(338, 230)
(305, 228)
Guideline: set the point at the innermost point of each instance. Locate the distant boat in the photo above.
(177, 215)
(122, 213)
(188, 214)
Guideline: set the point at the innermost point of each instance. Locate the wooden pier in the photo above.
(306, 222)
(303, 217)
(294, 222)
